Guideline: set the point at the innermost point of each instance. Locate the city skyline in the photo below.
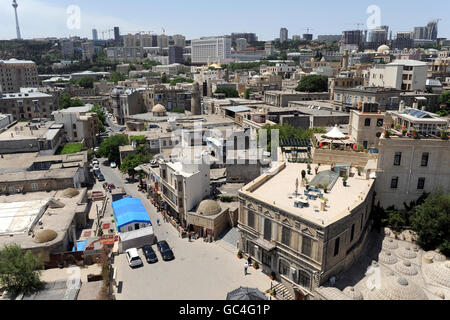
(49, 18)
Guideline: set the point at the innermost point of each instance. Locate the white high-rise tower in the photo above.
(15, 5)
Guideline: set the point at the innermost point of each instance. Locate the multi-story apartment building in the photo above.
(367, 125)
(407, 75)
(16, 74)
(67, 49)
(179, 40)
(176, 55)
(269, 48)
(241, 44)
(125, 54)
(127, 102)
(129, 41)
(346, 99)
(80, 125)
(88, 50)
(355, 37)
(415, 162)
(284, 35)
(27, 104)
(209, 50)
(282, 98)
(250, 37)
(302, 239)
(169, 97)
(163, 41)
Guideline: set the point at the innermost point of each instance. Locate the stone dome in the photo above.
(406, 268)
(159, 108)
(70, 193)
(387, 257)
(45, 236)
(407, 253)
(383, 48)
(393, 288)
(438, 272)
(390, 244)
(353, 293)
(209, 208)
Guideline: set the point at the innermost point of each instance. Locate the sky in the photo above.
(197, 18)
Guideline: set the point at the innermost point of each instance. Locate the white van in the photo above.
(133, 258)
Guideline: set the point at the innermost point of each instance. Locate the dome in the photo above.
(439, 257)
(438, 272)
(383, 48)
(390, 244)
(387, 257)
(215, 66)
(70, 192)
(353, 293)
(407, 253)
(45, 236)
(392, 288)
(209, 208)
(159, 108)
(406, 268)
(323, 59)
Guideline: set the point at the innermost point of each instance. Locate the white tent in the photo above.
(335, 133)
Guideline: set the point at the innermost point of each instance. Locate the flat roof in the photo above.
(340, 198)
(22, 130)
(17, 217)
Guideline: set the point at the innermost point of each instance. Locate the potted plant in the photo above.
(273, 293)
(256, 265)
(387, 134)
(444, 135)
(272, 275)
(404, 132)
(239, 254)
(345, 179)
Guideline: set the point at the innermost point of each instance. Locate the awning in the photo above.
(266, 245)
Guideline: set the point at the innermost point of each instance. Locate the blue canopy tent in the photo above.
(81, 245)
(128, 211)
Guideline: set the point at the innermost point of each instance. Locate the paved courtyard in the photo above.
(200, 271)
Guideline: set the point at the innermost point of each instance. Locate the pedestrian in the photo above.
(245, 268)
(157, 221)
(189, 237)
(249, 261)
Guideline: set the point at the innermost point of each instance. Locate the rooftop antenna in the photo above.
(15, 5)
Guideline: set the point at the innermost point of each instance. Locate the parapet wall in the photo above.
(327, 157)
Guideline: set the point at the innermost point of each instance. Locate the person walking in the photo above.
(189, 237)
(245, 268)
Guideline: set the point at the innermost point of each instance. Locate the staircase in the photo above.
(282, 292)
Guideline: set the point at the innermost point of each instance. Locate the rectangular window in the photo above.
(367, 122)
(286, 236)
(304, 279)
(251, 219)
(34, 186)
(250, 249)
(398, 159)
(421, 184)
(352, 235)
(425, 157)
(267, 230)
(266, 258)
(336, 246)
(306, 246)
(283, 268)
(394, 183)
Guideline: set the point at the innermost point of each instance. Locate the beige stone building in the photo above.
(27, 104)
(16, 74)
(282, 98)
(294, 233)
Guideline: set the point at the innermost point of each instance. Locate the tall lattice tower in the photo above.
(15, 5)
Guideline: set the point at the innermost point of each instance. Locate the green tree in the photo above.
(229, 92)
(164, 78)
(86, 82)
(445, 98)
(19, 270)
(176, 80)
(131, 162)
(65, 101)
(116, 77)
(101, 116)
(313, 83)
(396, 220)
(138, 139)
(247, 93)
(431, 221)
(110, 147)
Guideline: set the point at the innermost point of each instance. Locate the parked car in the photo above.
(149, 254)
(97, 172)
(133, 258)
(96, 149)
(113, 165)
(100, 177)
(165, 250)
(123, 129)
(96, 166)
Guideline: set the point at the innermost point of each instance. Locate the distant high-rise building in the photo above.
(353, 37)
(116, 34)
(210, 50)
(404, 40)
(241, 44)
(87, 49)
(269, 48)
(284, 35)
(378, 36)
(296, 37)
(430, 32)
(329, 37)
(250, 37)
(15, 5)
(179, 40)
(129, 41)
(67, 50)
(146, 40)
(94, 35)
(307, 36)
(176, 55)
(163, 41)
(16, 74)
(420, 33)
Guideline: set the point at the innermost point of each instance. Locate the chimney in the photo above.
(415, 104)
(401, 106)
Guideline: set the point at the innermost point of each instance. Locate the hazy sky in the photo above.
(195, 18)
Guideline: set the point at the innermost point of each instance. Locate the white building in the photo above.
(408, 75)
(88, 50)
(241, 44)
(179, 40)
(209, 50)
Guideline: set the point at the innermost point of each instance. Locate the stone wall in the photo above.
(327, 157)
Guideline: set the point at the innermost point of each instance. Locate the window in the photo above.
(380, 122)
(336, 246)
(267, 230)
(352, 234)
(306, 246)
(398, 159)
(34, 186)
(304, 279)
(394, 183)
(367, 122)
(250, 249)
(266, 258)
(251, 219)
(286, 236)
(283, 268)
(421, 184)
(425, 157)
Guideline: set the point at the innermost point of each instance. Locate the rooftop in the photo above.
(341, 199)
(23, 130)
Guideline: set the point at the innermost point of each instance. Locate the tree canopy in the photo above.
(65, 101)
(229, 92)
(110, 147)
(116, 77)
(132, 161)
(101, 116)
(176, 80)
(19, 270)
(86, 82)
(313, 83)
(431, 221)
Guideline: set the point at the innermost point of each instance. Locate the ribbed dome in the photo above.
(406, 268)
(439, 272)
(407, 253)
(159, 108)
(45, 236)
(392, 288)
(353, 293)
(387, 257)
(208, 208)
(70, 192)
(390, 244)
(383, 48)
